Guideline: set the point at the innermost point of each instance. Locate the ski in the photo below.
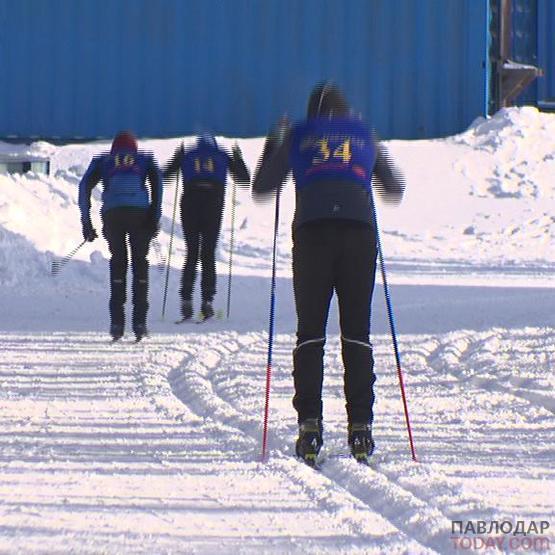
(336, 454)
(119, 341)
(200, 319)
(320, 462)
(191, 321)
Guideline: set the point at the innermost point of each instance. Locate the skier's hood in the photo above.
(327, 100)
(206, 140)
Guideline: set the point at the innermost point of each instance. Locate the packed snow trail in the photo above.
(155, 447)
(98, 455)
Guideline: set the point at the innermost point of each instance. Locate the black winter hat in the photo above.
(327, 100)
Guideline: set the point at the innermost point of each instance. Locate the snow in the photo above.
(155, 448)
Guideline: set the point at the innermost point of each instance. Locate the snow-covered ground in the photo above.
(155, 448)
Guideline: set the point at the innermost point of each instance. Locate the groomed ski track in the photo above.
(155, 447)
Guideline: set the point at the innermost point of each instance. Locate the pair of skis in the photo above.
(136, 340)
(318, 462)
(192, 321)
(200, 319)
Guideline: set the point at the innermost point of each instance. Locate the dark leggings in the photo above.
(201, 217)
(120, 226)
(333, 256)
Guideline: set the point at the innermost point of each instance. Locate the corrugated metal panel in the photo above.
(534, 43)
(525, 42)
(82, 68)
(546, 50)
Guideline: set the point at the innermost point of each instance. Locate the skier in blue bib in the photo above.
(204, 169)
(334, 158)
(129, 211)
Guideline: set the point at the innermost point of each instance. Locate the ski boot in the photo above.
(140, 331)
(186, 310)
(206, 310)
(309, 442)
(360, 442)
(116, 331)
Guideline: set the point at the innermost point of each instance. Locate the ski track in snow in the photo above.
(167, 433)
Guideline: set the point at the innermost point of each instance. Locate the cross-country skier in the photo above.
(204, 169)
(334, 158)
(128, 212)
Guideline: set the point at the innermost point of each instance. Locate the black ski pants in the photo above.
(121, 225)
(201, 218)
(333, 256)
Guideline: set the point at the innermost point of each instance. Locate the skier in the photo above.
(127, 211)
(334, 158)
(204, 169)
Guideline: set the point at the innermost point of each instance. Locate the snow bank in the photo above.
(521, 143)
(484, 199)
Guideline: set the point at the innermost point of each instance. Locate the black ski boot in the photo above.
(206, 310)
(186, 310)
(309, 441)
(116, 331)
(361, 442)
(140, 331)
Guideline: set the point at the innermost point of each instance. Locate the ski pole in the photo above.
(393, 332)
(57, 265)
(231, 243)
(171, 243)
(270, 332)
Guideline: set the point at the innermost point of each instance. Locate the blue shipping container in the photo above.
(88, 68)
(546, 53)
(533, 42)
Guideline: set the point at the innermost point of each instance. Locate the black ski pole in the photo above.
(270, 333)
(231, 244)
(171, 243)
(57, 265)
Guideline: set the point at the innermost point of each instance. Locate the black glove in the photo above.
(89, 232)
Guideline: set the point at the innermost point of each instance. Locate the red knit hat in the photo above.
(124, 141)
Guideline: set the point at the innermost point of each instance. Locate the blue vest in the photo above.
(123, 175)
(338, 149)
(205, 163)
(332, 162)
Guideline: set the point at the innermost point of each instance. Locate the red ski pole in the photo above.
(393, 332)
(395, 346)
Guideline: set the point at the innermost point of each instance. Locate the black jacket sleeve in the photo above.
(238, 168)
(87, 184)
(172, 167)
(155, 178)
(273, 167)
(386, 177)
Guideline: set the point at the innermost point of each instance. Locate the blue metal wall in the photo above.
(525, 42)
(533, 42)
(546, 51)
(87, 68)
